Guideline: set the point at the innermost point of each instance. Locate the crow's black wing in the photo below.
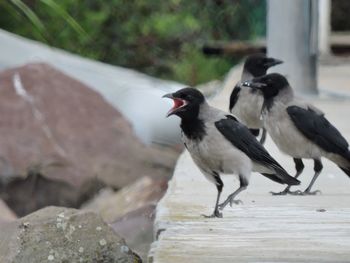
(240, 137)
(318, 129)
(234, 96)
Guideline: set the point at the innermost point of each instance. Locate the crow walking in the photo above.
(220, 144)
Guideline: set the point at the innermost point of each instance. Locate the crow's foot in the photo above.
(298, 192)
(216, 213)
(308, 192)
(285, 192)
(230, 201)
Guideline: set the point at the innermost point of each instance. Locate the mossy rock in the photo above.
(62, 235)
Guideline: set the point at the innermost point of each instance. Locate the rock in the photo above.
(131, 211)
(65, 132)
(136, 227)
(57, 234)
(111, 206)
(5, 212)
(36, 191)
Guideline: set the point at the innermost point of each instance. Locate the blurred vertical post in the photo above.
(324, 26)
(292, 35)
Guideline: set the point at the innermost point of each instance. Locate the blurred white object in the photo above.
(137, 96)
(292, 36)
(324, 26)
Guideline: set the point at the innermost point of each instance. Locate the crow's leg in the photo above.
(231, 198)
(299, 167)
(263, 136)
(219, 185)
(317, 168)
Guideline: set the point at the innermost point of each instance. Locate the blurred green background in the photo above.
(157, 37)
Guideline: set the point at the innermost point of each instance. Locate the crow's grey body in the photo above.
(220, 151)
(215, 153)
(248, 108)
(299, 129)
(287, 136)
(248, 105)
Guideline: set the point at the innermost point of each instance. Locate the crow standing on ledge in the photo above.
(220, 144)
(246, 103)
(299, 129)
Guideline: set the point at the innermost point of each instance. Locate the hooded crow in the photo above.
(246, 103)
(220, 144)
(299, 129)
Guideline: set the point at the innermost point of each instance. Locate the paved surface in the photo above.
(265, 228)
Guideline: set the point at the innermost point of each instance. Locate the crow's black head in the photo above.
(186, 103)
(270, 84)
(258, 64)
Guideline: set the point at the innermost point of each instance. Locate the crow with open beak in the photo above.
(220, 144)
(246, 103)
(299, 129)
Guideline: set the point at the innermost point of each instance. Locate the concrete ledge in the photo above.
(264, 229)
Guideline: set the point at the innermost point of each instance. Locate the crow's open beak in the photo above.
(169, 96)
(178, 104)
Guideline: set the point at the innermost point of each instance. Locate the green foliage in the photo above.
(161, 38)
(39, 28)
(195, 68)
(32, 17)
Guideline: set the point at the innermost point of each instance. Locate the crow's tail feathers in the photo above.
(347, 156)
(281, 176)
(346, 170)
(273, 177)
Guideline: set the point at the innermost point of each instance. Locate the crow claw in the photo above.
(297, 192)
(230, 201)
(216, 213)
(236, 202)
(285, 192)
(306, 192)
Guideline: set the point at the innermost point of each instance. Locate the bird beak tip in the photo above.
(169, 96)
(278, 61)
(273, 62)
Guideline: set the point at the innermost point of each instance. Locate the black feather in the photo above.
(194, 129)
(234, 96)
(240, 137)
(319, 130)
(273, 178)
(255, 132)
(232, 117)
